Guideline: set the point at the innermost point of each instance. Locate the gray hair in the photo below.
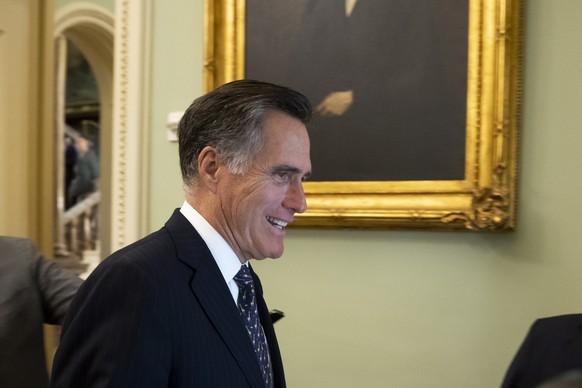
(230, 119)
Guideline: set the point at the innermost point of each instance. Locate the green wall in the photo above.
(411, 308)
(177, 52)
(414, 309)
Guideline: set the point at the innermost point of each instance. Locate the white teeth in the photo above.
(278, 223)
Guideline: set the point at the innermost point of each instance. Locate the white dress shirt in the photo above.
(225, 258)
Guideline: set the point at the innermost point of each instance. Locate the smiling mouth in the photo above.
(279, 224)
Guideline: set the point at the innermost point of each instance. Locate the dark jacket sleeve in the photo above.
(57, 288)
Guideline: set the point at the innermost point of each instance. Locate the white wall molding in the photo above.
(130, 121)
(83, 14)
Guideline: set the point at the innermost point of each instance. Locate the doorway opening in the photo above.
(83, 111)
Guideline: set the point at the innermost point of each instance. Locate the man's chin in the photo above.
(272, 255)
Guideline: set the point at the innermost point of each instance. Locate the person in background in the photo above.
(183, 307)
(33, 291)
(86, 172)
(70, 163)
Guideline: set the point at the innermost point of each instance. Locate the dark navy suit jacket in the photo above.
(552, 347)
(158, 313)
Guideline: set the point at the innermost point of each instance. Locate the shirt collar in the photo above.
(225, 258)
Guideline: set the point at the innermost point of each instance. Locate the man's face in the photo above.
(255, 207)
(82, 145)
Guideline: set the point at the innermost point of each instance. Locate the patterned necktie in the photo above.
(247, 306)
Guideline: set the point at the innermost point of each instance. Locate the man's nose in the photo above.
(295, 198)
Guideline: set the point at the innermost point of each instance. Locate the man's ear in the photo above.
(208, 167)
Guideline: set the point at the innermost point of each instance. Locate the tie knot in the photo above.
(243, 278)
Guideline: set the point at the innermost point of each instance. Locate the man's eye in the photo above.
(282, 176)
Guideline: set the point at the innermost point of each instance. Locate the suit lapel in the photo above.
(213, 295)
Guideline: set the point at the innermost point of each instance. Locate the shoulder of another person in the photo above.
(17, 248)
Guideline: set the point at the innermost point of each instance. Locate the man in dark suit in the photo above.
(162, 312)
(33, 291)
(552, 348)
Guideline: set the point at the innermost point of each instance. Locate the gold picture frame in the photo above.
(485, 200)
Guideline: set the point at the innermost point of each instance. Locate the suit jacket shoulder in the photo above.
(553, 346)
